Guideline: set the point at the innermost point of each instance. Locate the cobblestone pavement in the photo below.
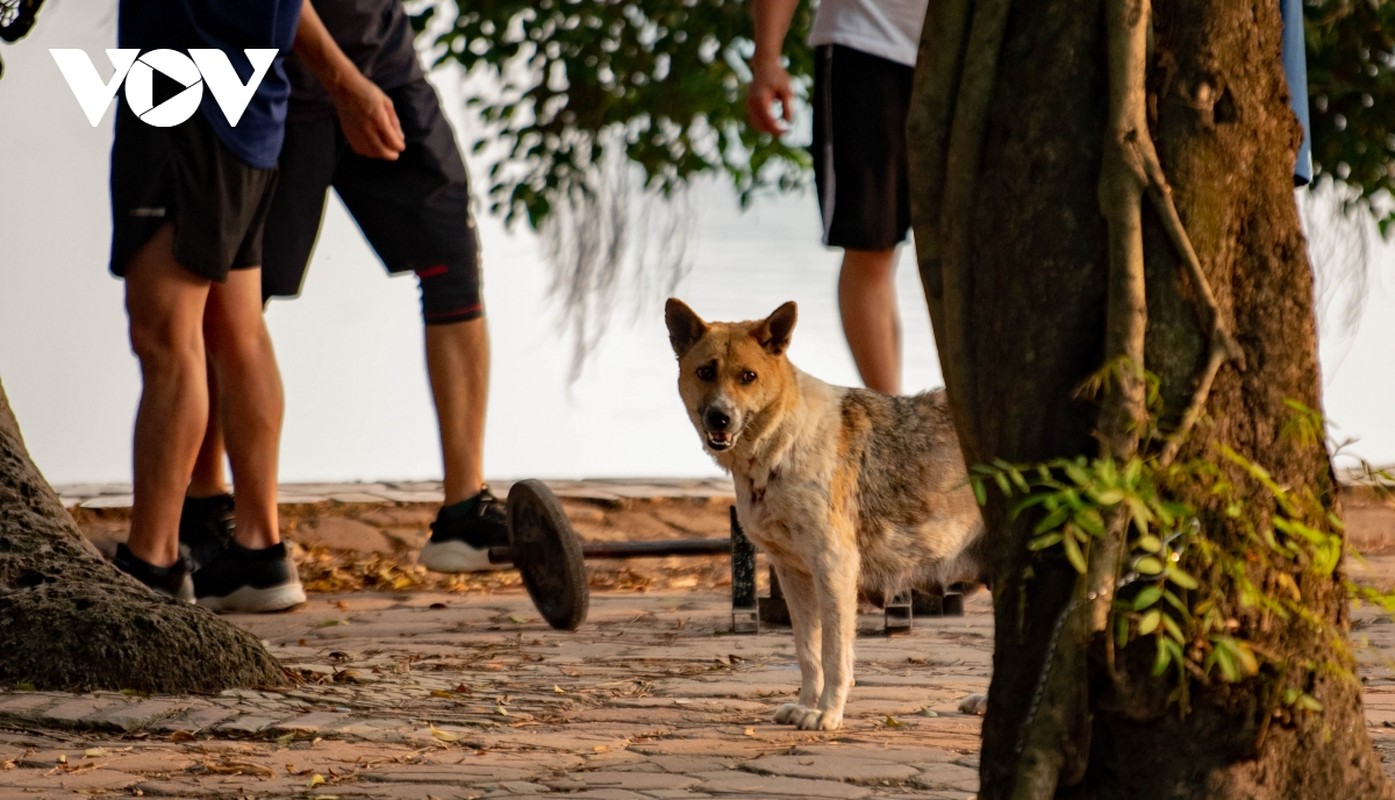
(437, 695)
(453, 695)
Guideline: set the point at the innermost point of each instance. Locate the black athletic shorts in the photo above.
(859, 148)
(415, 211)
(185, 175)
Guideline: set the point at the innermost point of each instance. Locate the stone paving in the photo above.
(430, 694)
(436, 695)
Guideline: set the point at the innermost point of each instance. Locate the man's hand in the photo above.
(368, 119)
(770, 84)
(365, 112)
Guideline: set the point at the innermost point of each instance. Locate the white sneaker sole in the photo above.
(456, 557)
(251, 600)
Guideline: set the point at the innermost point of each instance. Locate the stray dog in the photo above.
(846, 490)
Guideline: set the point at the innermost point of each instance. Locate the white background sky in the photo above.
(358, 406)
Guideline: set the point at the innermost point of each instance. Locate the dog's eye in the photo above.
(706, 372)
(748, 376)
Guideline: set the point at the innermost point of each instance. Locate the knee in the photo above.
(162, 343)
(248, 347)
(450, 292)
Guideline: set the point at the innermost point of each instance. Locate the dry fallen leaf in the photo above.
(316, 780)
(445, 736)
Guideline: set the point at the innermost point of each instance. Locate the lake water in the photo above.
(350, 350)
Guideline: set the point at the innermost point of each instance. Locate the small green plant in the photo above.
(1192, 597)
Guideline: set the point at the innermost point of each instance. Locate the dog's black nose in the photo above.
(715, 420)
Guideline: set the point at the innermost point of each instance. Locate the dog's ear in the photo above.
(684, 326)
(774, 331)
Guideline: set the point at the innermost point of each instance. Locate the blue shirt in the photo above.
(231, 26)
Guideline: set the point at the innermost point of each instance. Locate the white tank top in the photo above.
(886, 28)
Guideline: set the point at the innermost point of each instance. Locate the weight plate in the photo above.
(548, 555)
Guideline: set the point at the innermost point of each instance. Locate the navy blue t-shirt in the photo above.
(231, 26)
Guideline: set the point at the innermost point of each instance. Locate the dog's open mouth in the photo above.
(720, 440)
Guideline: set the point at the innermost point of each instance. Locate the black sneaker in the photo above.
(249, 581)
(205, 528)
(463, 533)
(172, 581)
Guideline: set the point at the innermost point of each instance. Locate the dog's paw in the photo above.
(976, 704)
(822, 721)
(791, 713)
(807, 718)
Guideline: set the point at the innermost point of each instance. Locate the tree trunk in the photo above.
(1013, 252)
(70, 621)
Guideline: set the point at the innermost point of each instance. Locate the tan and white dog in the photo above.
(846, 490)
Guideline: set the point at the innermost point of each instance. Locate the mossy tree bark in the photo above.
(70, 621)
(1011, 124)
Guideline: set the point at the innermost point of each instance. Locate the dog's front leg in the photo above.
(804, 619)
(836, 592)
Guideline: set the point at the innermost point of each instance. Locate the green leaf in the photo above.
(1163, 658)
(1173, 629)
(1181, 578)
(1089, 520)
(1109, 497)
(1146, 597)
(1149, 622)
(1074, 555)
(1052, 520)
(1149, 544)
(1148, 565)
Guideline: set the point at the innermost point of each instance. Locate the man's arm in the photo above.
(770, 83)
(365, 112)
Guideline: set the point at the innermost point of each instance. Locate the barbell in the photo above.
(551, 559)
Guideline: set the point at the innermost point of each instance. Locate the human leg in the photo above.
(871, 320)
(206, 518)
(860, 104)
(254, 573)
(208, 478)
(165, 305)
(457, 362)
(415, 212)
(471, 520)
(250, 401)
(308, 156)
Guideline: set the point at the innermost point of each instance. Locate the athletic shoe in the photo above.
(205, 528)
(249, 581)
(172, 581)
(463, 533)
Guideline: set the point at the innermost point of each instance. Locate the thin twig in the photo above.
(1223, 346)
